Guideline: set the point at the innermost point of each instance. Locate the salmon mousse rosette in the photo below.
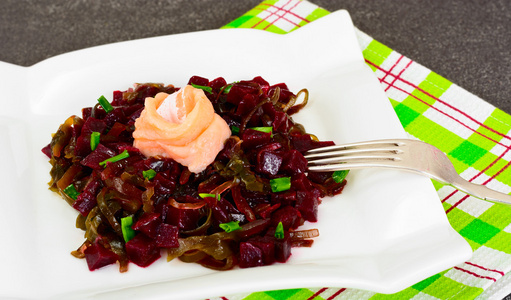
(182, 126)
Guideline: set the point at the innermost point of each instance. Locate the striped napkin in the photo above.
(474, 134)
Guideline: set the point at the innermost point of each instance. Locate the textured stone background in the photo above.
(466, 41)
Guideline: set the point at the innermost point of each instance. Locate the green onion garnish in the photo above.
(280, 184)
(263, 129)
(149, 174)
(105, 104)
(127, 232)
(235, 130)
(124, 154)
(230, 226)
(202, 87)
(204, 195)
(227, 89)
(339, 176)
(279, 231)
(94, 140)
(71, 191)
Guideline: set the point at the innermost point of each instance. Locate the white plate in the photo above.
(385, 232)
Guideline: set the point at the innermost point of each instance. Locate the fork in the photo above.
(405, 154)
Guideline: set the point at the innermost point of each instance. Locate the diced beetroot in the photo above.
(282, 249)
(239, 90)
(217, 83)
(267, 246)
(148, 224)
(319, 177)
(263, 84)
(197, 80)
(253, 138)
(95, 157)
(285, 198)
(185, 219)
(86, 113)
(248, 103)
(163, 185)
(142, 250)
(47, 150)
(167, 236)
(117, 98)
(289, 216)
(307, 203)
(281, 122)
(116, 115)
(304, 142)
(220, 212)
(83, 147)
(86, 201)
(135, 115)
(269, 162)
(294, 163)
(301, 182)
(93, 125)
(98, 256)
(250, 255)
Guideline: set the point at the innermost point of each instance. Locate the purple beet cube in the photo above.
(167, 236)
(269, 162)
(148, 224)
(282, 249)
(198, 80)
(142, 250)
(254, 138)
(267, 246)
(250, 255)
(307, 203)
(290, 217)
(185, 219)
(98, 256)
(294, 163)
(95, 157)
(86, 201)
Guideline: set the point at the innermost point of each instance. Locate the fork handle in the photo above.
(482, 192)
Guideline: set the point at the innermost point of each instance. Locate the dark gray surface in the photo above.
(468, 42)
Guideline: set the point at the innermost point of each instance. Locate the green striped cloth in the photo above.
(474, 134)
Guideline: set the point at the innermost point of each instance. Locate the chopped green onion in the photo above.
(339, 176)
(279, 231)
(127, 232)
(149, 174)
(71, 191)
(105, 104)
(204, 195)
(204, 88)
(263, 129)
(94, 140)
(280, 184)
(227, 88)
(124, 154)
(235, 130)
(230, 226)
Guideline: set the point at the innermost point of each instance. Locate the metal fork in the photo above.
(405, 154)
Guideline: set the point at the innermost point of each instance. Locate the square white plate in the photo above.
(385, 232)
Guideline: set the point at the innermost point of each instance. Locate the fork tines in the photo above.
(355, 155)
